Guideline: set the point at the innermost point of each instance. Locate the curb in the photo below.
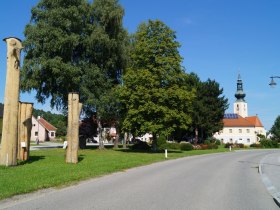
(269, 186)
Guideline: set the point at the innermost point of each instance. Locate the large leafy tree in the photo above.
(154, 93)
(275, 129)
(208, 108)
(74, 46)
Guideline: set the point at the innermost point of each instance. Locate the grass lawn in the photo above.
(46, 168)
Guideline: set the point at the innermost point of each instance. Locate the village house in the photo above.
(42, 130)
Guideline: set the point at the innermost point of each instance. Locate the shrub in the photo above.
(207, 142)
(212, 146)
(140, 145)
(172, 146)
(227, 145)
(239, 145)
(186, 146)
(218, 142)
(256, 145)
(266, 143)
(161, 141)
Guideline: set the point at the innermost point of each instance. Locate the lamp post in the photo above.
(272, 82)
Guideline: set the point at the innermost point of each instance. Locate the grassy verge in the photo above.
(46, 168)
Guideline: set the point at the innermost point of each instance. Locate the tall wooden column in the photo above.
(74, 110)
(8, 152)
(24, 130)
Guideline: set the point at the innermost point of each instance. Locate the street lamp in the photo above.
(272, 82)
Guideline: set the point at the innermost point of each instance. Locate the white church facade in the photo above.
(238, 126)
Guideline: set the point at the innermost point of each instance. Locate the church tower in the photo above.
(240, 106)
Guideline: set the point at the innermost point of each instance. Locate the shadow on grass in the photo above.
(81, 158)
(147, 151)
(31, 159)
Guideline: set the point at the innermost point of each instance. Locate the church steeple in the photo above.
(239, 95)
(240, 106)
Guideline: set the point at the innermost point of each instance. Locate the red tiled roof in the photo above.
(242, 122)
(46, 124)
(255, 120)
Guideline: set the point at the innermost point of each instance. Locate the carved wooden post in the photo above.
(8, 153)
(24, 130)
(74, 110)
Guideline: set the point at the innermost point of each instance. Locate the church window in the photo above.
(230, 130)
(248, 130)
(248, 140)
(230, 140)
(240, 139)
(240, 130)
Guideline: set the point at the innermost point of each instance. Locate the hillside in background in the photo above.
(57, 120)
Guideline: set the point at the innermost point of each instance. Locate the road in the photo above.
(225, 181)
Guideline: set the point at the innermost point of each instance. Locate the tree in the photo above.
(275, 130)
(208, 108)
(154, 93)
(74, 46)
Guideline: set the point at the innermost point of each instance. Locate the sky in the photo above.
(219, 40)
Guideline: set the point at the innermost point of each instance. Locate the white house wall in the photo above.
(242, 135)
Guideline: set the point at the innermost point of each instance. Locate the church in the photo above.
(238, 126)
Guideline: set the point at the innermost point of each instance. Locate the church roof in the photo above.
(253, 121)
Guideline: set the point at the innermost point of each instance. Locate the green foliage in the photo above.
(275, 129)
(256, 145)
(267, 143)
(184, 146)
(85, 51)
(155, 95)
(207, 142)
(171, 146)
(209, 106)
(141, 145)
(213, 146)
(161, 141)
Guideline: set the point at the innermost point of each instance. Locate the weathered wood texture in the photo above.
(74, 110)
(8, 153)
(24, 130)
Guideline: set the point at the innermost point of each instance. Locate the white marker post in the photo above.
(166, 153)
(229, 148)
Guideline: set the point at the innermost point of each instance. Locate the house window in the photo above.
(52, 134)
(240, 139)
(248, 140)
(248, 130)
(240, 130)
(230, 140)
(36, 133)
(230, 130)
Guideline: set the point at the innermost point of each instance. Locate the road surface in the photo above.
(225, 181)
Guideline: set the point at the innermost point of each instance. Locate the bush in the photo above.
(256, 145)
(140, 145)
(207, 142)
(172, 146)
(212, 146)
(227, 145)
(266, 143)
(186, 146)
(218, 142)
(161, 141)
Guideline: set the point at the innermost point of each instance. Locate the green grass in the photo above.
(46, 168)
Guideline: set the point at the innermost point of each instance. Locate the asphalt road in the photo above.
(225, 181)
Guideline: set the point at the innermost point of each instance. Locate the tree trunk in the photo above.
(9, 142)
(125, 140)
(101, 137)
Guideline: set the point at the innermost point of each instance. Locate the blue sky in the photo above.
(219, 39)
